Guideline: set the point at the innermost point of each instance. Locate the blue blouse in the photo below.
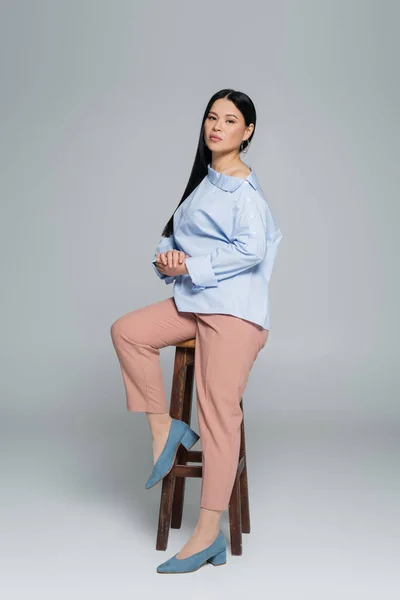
(231, 236)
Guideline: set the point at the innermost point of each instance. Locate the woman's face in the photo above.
(226, 122)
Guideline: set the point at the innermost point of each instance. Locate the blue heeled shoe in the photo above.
(214, 554)
(179, 433)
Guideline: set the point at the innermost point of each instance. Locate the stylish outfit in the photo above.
(227, 228)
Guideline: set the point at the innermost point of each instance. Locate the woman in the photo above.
(218, 248)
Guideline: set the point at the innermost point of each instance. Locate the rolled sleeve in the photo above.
(165, 244)
(166, 278)
(201, 272)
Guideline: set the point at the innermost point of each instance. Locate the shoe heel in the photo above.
(218, 559)
(189, 439)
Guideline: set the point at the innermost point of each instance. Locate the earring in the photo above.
(242, 149)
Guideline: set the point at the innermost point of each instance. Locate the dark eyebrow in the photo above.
(227, 114)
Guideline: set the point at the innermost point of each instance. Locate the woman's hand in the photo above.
(171, 262)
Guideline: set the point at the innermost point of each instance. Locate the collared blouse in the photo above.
(226, 227)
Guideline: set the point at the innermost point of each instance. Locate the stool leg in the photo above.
(244, 484)
(244, 500)
(181, 458)
(168, 483)
(164, 518)
(179, 496)
(235, 519)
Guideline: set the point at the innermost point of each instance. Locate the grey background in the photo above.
(101, 105)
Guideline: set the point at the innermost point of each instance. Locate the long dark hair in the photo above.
(203, 153)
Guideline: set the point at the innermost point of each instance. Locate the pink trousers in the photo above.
(226, 348)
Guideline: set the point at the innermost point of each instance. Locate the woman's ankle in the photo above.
(159, 423)
(209, 522)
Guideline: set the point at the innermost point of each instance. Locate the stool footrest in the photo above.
(197, 470)
(187, 471)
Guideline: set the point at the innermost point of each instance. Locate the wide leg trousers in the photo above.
(226, 348)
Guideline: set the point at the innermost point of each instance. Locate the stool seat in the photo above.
(173, 484)
(186, 344)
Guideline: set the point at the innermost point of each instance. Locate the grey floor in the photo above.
(77, 522)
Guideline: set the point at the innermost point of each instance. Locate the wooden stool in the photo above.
(173, 484)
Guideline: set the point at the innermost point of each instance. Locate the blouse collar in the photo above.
(229, 183)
